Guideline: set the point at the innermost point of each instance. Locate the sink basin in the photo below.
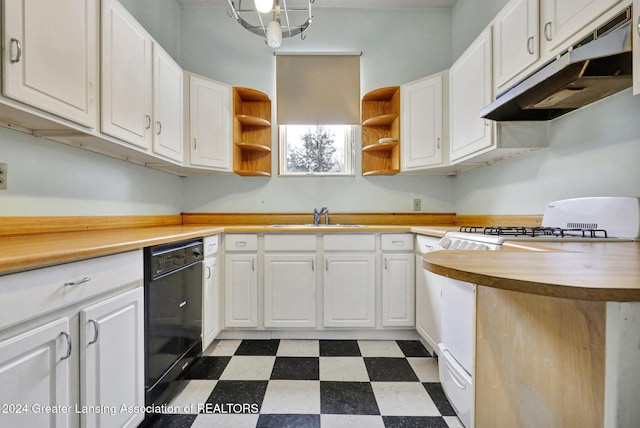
(299, 226)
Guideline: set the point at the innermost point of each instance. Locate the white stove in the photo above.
(579, 219)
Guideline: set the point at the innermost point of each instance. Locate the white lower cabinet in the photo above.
(72, 338)
(398, 280)
(112, 360)
(241, 290)
(211, 292)
(290, 290)
(428, 299)
(211, 324)
(349, 290)
(34, 371)
(398, 292)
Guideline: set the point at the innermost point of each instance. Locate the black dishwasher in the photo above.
(173, 315)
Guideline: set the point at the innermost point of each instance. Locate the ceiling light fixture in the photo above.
(264, 6)
(283, 23)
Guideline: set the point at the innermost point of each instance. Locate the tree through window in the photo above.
(316, 150)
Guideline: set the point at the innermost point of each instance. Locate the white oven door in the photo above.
(457, 385)
(458, 320)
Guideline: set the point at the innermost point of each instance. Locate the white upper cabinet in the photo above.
(515, 41)
(141, 87)
(636, 44)
(471, 88)
(167, 106)
(50, 56)
(210, 113)
(126, 77)
(561, 19)
(422, 123)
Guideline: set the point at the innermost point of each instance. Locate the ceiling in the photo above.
(351, 4)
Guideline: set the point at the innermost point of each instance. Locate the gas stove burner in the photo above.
(536, 231)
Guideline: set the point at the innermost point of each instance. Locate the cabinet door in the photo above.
(50, 56)
(349, 290)
(561, 19)
(210, 118)
(421, 123)
(241, 290)
(398, 289)
(126, 77)
(636, 42)
(112, 359)
(34, 370)
(289, 290)
(168, 133)
(211, 303)
(470, 84)
(515, 40)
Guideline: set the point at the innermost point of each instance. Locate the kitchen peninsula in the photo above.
(557, 333)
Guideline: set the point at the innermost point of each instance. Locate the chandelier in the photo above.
(274, 19)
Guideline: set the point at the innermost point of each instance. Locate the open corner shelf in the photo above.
(381, 119)
(251, 133)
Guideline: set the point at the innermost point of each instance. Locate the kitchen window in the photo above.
(316, 150)
(318, 108)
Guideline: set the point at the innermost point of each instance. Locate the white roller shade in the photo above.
(318, 89)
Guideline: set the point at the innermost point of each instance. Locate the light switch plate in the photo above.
(3, 176)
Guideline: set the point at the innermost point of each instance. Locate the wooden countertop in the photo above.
(38, 250)
(22, 252)
(584, 271)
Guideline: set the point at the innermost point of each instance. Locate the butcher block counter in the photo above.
(557, 333)
(23, 252)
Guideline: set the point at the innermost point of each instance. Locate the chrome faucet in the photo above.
(317, 215)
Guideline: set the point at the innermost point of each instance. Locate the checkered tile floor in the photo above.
(311, 383)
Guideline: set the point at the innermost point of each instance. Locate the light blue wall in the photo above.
(397, 46)
(594, 151)
(48, 178)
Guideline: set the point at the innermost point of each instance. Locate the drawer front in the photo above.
(349, 242)
(241, 242)
(290, 242)
(397, 242)
(27, 295)
(427, 244)
(211, 245)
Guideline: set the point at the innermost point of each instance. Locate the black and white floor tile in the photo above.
(311, 383)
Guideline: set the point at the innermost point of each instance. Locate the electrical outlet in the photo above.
(417, 204)
(3, 176)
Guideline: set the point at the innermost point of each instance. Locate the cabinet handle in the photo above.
(81, 281)
(438, 142)
(96, 329)
(386, 264)
(148, 118)
(326, 265)
(397, 242)
(253, 264)
(639, 25)
(430, 247)
(69, 345)
(313, 267)
(184, 303)
(530, 45)
(241, 243)
(547, 31)
(208, 272)
(18, 50)
(195, 144)
(159, 128)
